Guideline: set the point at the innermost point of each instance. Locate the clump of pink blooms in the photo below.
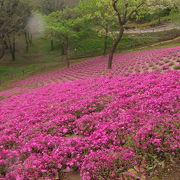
(106, 127)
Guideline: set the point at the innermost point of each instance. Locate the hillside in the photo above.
(89, 90)
(102, 124)
(147, 61)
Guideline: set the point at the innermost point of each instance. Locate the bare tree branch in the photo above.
(114, 3)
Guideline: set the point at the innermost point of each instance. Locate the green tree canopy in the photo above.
(65, 26)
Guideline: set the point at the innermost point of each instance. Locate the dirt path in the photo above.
(161, 28)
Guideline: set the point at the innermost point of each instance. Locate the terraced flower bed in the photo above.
(107, 127)
(148, 61)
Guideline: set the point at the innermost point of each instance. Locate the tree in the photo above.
(13, 18)
(2, 48)
(157, 7)
(28, 39)
(49, 6)
(101, 16)
(65, 26)
(127, 9)
(122, 11)
(113, 12)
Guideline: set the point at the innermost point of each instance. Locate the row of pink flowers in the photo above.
(154, 60)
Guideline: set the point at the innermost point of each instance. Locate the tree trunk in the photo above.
(2, 46)
(2, 50)
(30, 39)
(27, 42)
(114, 47)
(159, 19)
(52, 45)
(63, 49)
(105, 42)
(67, 53)
(5, 44)
(12, 46)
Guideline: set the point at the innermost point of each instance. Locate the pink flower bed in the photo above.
(107, 127)
(122, 64)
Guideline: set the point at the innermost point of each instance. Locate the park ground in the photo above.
(41, 60)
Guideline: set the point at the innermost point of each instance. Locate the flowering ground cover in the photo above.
(105, 127)
(154, 60)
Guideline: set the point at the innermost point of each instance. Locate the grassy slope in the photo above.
(40, 59)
